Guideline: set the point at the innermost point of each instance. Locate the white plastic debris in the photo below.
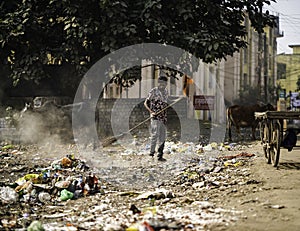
(8, 195)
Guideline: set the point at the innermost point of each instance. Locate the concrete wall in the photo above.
(120, 115)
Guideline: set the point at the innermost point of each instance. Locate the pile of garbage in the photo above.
(68, 195)
(65, 179)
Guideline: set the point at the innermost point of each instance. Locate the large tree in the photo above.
(39, 33)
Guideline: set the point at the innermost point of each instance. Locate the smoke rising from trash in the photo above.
(47, 128)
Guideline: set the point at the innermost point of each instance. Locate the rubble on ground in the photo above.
(70, 193)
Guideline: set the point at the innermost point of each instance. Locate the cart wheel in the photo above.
(265, 139)
(275, 143)
(261, 131)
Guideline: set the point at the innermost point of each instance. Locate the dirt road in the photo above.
(274, 203)
(247, 194)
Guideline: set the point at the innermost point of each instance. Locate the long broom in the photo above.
(108, 141)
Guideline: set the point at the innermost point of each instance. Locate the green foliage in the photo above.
(37, 33)
(128, 77)
(251, 95)
(248, 96)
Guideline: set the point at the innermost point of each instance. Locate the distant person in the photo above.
(155, 103)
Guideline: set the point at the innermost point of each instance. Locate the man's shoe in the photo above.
(151, 154)
(161, 159)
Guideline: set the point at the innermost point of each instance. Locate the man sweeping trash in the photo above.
(155, 103)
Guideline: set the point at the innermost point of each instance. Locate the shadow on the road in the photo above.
(289, 165)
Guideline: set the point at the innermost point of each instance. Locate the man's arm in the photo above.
(146, 104)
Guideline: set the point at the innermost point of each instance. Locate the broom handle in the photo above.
(176, 101)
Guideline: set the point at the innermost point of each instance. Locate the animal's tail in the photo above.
(229, 122)
(228, 118)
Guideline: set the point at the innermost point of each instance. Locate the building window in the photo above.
(245, 55)
(271, 36)
(281, 71)
(246, 23)
(211, 76)
(111, 92)
(245, 80)
(172, 86)
(117, 91)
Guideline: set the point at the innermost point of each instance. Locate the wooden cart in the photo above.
(274, 127)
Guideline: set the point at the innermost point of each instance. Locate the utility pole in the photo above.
(259, 68)
(266, 68)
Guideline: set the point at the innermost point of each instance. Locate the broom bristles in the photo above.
(110, 140)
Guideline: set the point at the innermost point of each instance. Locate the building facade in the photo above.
(249, 74)
(289, 71)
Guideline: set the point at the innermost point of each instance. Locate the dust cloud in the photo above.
(49, 128)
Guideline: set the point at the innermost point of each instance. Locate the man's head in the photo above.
(162, 78)
(162, 82)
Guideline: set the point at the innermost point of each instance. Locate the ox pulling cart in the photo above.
(278, 129)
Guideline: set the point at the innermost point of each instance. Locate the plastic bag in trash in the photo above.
(8, 195)
(66, 195)
(35, 226)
